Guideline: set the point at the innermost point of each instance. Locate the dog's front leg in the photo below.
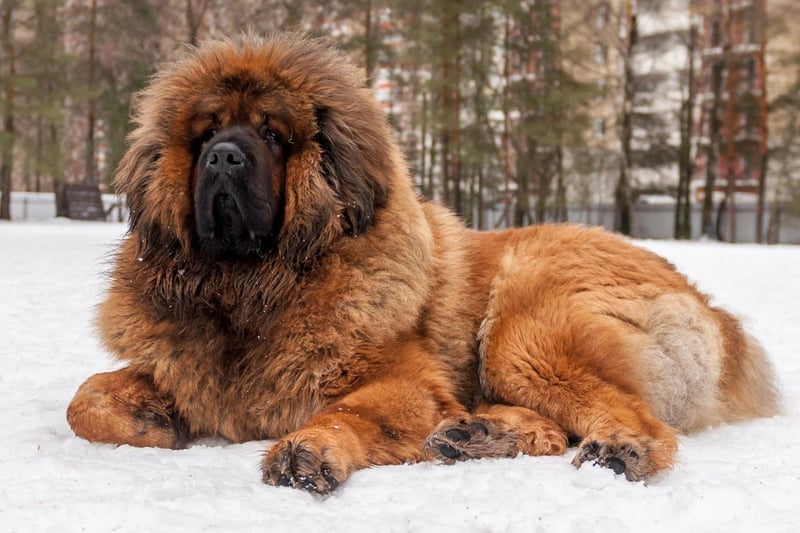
(124, 407)
(383, 422)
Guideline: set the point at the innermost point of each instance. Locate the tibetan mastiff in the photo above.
(281, 279)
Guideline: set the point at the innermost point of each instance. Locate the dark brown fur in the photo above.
(373, 328)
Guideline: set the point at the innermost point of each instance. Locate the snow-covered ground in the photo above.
(743, 477)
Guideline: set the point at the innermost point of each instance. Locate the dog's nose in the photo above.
(225, 156)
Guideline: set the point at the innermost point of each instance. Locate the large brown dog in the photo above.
(282, 280)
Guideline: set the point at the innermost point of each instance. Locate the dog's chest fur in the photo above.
(243, 363)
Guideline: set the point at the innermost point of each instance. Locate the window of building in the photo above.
(751, 26)
(599, 128)
(747, 167)
(750, 73)
(600, 53)
(715, 74)
(751, 116)
(716, 33)
(600, 89)
(601, 16)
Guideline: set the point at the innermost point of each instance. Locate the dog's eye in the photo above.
(209, 134)
(269, 135)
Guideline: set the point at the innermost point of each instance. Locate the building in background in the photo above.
(637, 57)
(732, 120)
(783, 92)
(660, 67)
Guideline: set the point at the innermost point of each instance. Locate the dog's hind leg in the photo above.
(544, 366)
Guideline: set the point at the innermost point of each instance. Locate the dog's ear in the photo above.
(335, 183)
(355, 167)
(134, 175)
(309, 212)
(157, 204)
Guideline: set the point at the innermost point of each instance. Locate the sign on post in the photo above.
(82, 202)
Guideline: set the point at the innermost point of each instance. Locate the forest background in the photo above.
(510, 112)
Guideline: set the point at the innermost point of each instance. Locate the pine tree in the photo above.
(47, 65)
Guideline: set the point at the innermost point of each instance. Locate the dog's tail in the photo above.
(748, 386)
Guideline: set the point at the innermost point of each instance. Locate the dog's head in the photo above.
(257, 148)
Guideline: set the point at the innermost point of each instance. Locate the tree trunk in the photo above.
(560, 209)
(481, 192)
(784, 172)
(622, 195)
(434, 152)
(427, 188)
(522, 207)
(7, 138)
(450, 101)
(194, 20)
(90, 167)
(683, 206)
(54, 138)
(721, 210)
(370, 55)
(763, 110)
(560, 214)
(542, 172)
(712, 152)
(731, 129)
(37, 172)
(457, 171)
(505, 147)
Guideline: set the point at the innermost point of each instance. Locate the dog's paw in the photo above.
(626, 456)
(121, 407)
(460, 439)
(301, 464)
(161, 424)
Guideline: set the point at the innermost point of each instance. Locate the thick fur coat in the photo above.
(282, 280)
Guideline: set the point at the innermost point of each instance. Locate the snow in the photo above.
(742, 477)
